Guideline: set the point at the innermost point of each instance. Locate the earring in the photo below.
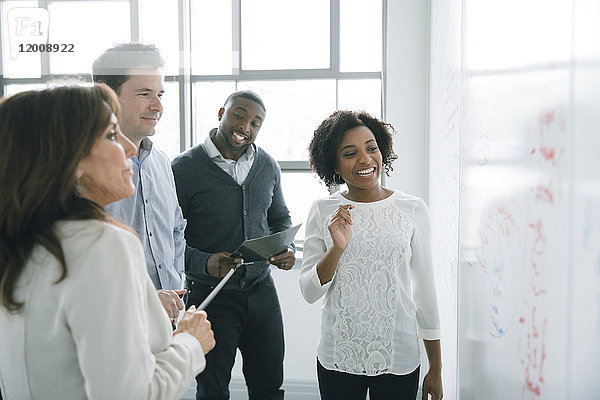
(77, 187)
(337, 179)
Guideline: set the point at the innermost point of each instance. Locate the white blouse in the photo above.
(101, 333)
(382, 297)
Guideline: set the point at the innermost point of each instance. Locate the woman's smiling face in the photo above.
(358, 159)
(105, 174)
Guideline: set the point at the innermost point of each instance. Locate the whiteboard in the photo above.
(444, 175)
(527, 145)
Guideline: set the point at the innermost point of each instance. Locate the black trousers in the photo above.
(251, 321)
(335, 385)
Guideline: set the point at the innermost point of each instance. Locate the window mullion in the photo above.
(44, 57)
(294, 166)
(334, 29)
(335, 44)
(236, 36)
(186, 122)
(134, 18)
(1, 55)
(384, 56)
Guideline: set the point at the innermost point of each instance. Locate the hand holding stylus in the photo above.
(219, 264)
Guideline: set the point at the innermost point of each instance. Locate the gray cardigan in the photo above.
(221, 214)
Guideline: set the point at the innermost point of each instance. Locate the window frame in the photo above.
(186, 79)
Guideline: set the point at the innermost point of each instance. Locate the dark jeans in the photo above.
(335, 385)
(251, 321)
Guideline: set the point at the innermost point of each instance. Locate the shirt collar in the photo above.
(146, 144)
(145, 149)
(213, 152)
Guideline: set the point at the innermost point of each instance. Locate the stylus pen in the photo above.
(216, 290)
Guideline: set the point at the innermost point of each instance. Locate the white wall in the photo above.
(407, 108)
(444, 126)
(406, 92)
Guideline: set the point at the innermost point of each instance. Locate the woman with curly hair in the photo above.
(367, 251)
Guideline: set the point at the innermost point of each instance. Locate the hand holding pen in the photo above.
(340, 229)
(340, 226)
(219, 264)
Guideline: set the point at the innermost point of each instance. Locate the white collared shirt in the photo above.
(237, 169)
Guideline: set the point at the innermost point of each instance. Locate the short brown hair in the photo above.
(113, 65)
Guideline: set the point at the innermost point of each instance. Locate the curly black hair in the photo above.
(329, 134)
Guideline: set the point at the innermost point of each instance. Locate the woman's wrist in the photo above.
(338, 249)
(435, 368)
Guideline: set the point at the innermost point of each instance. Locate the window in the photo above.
(285, 34)
(294, 110)
(360, 31)
(80, 23)
(212, 37)
(305, 58)
(15, 64)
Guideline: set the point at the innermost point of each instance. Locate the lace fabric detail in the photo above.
(365, 291)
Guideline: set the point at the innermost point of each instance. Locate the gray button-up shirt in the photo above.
(153, 212)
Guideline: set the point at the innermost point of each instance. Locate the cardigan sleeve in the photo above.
(314, 249)
(278, 215)
(125, 346)
(422, 275)
(182, 166)
(195, 262)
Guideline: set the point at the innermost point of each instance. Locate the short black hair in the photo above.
(246, 94)
(113, 65)
(329, 135)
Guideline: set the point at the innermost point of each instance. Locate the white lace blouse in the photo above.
(382, 297)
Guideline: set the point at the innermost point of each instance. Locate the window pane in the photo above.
(360, 95)
(92, 26)
(211, 38)
(159, 26)
(285, 34)
(167, 136)
(300, 189)
(208, 99)
(15, 64)
(9, 90)
(294, 110)
(360, 35)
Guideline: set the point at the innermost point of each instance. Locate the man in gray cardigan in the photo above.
(230, 190)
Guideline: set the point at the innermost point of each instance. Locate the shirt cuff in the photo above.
(429, 334)
(190, 342)
(314, 277)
